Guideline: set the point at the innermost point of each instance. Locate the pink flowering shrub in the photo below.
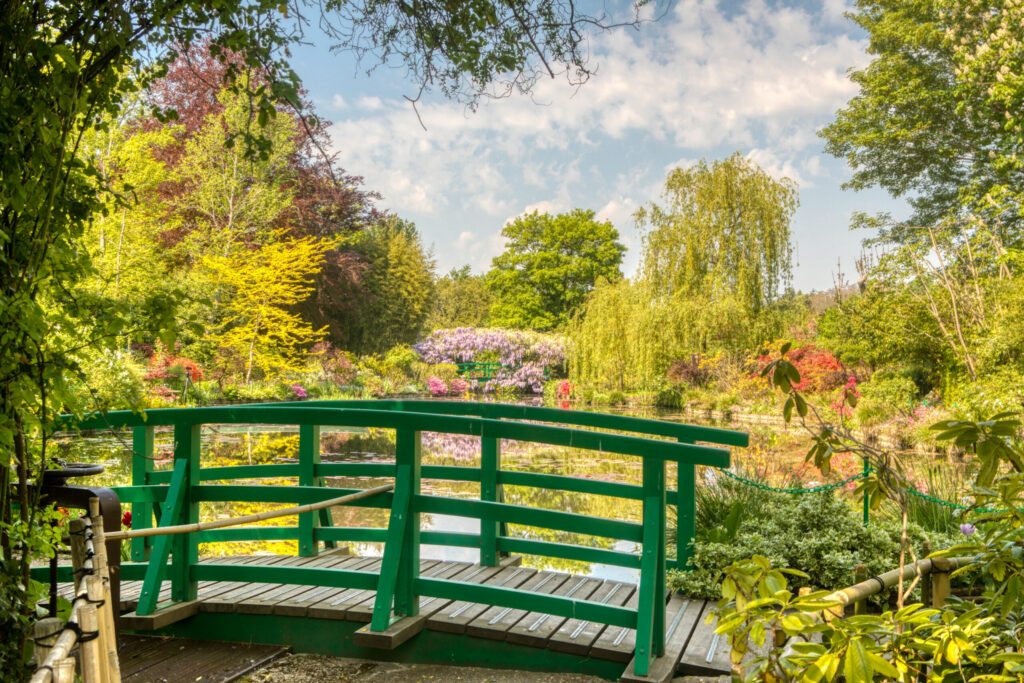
(458, 386)
(437, 387)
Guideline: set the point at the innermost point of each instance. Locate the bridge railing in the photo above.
(170, 498)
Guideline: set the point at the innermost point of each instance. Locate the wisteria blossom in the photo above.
(526, 357)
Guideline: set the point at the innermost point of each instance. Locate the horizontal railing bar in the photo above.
(141, 494)
(265, 493)
(512, 514)
(573, 484)
(512, 411)
(451, 473)
(249, 533)
(305, 576)
(456, 539)
(568, 551)
(525, 600)
(350, 533)
(472, 426)
(354, 469)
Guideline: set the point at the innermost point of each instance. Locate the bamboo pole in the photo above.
(92, 658)
(106, 609)
(245, 519)
(94, 591)
(64, 670)
(46, 633)
(876, 584)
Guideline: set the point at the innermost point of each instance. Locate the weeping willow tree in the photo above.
(715, 275)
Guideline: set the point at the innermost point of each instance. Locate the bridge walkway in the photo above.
(690, 641)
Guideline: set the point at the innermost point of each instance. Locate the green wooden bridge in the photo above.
(493, 612)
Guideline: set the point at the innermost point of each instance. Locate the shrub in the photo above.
(999, 390)
(692, 371)
(115, 381)
(333, 364)
(820, 371)
(884, 398)
(819, 534)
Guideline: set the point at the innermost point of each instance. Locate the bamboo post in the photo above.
(940, 584)
(92, 658)
(860, 573)
(46, 632)
(64, 670)
(101, 588)
(77, 543)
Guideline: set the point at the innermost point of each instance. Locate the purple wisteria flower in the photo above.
(524, 355)
(967, 529)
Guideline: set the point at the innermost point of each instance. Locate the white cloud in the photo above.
(338, 102)
(759, 78)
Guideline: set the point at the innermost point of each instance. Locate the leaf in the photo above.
(856, 664)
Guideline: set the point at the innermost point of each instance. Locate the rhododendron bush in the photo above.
(526, 358)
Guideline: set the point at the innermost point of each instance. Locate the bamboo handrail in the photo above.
(245, 519)
(876, 584)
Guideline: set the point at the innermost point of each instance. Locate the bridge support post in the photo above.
(309, 458)
(686, 513)
(490, 491)
(400, 567)
(143, 450)
(650, 628)
(185, 547)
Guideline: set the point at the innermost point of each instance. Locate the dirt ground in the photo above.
(320, 669)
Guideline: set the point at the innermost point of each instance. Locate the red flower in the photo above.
(126, 519)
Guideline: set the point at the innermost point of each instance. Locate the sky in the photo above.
(706, 80)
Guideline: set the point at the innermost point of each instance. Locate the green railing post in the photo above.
(650, 627)
(185, 549)
(400, 566)
(309, 458)
(177, 492)
(143, 450)
(490, 491)
(686, 512)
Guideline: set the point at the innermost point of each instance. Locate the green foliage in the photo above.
(885, 397)
(937, 116)
(115, 381)
(817, 533)
(999, 390)
(549, 265)
(461, 299)
(396, 289)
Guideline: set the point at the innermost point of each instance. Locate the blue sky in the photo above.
(706, 80)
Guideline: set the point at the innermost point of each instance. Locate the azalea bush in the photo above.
(965, 640)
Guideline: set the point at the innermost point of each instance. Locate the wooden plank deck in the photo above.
(691, 645)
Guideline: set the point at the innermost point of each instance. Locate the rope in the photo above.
(799, 490)
(793, 490)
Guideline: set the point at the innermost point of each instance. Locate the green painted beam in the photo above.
(304, 576)
(304, 414)
(534, 602)
(567, 551)
(513, 514)
(574, 484)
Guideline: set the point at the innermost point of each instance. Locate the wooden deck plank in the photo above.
(334, 606)
(536, 628)
(575, 636)
(298, 605)
(495, 622)
(264, 603)
(228, 601)
(616, 642)
(681, 618)
(707, 654)
(363, 610)
(455, 615)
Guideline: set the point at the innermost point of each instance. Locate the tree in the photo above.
(718, 253)
(938, 116)
(67, 67)
(260, 332)
(549, 265)
(387, 301)
(461, 299)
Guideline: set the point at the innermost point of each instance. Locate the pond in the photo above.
(774, 456)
